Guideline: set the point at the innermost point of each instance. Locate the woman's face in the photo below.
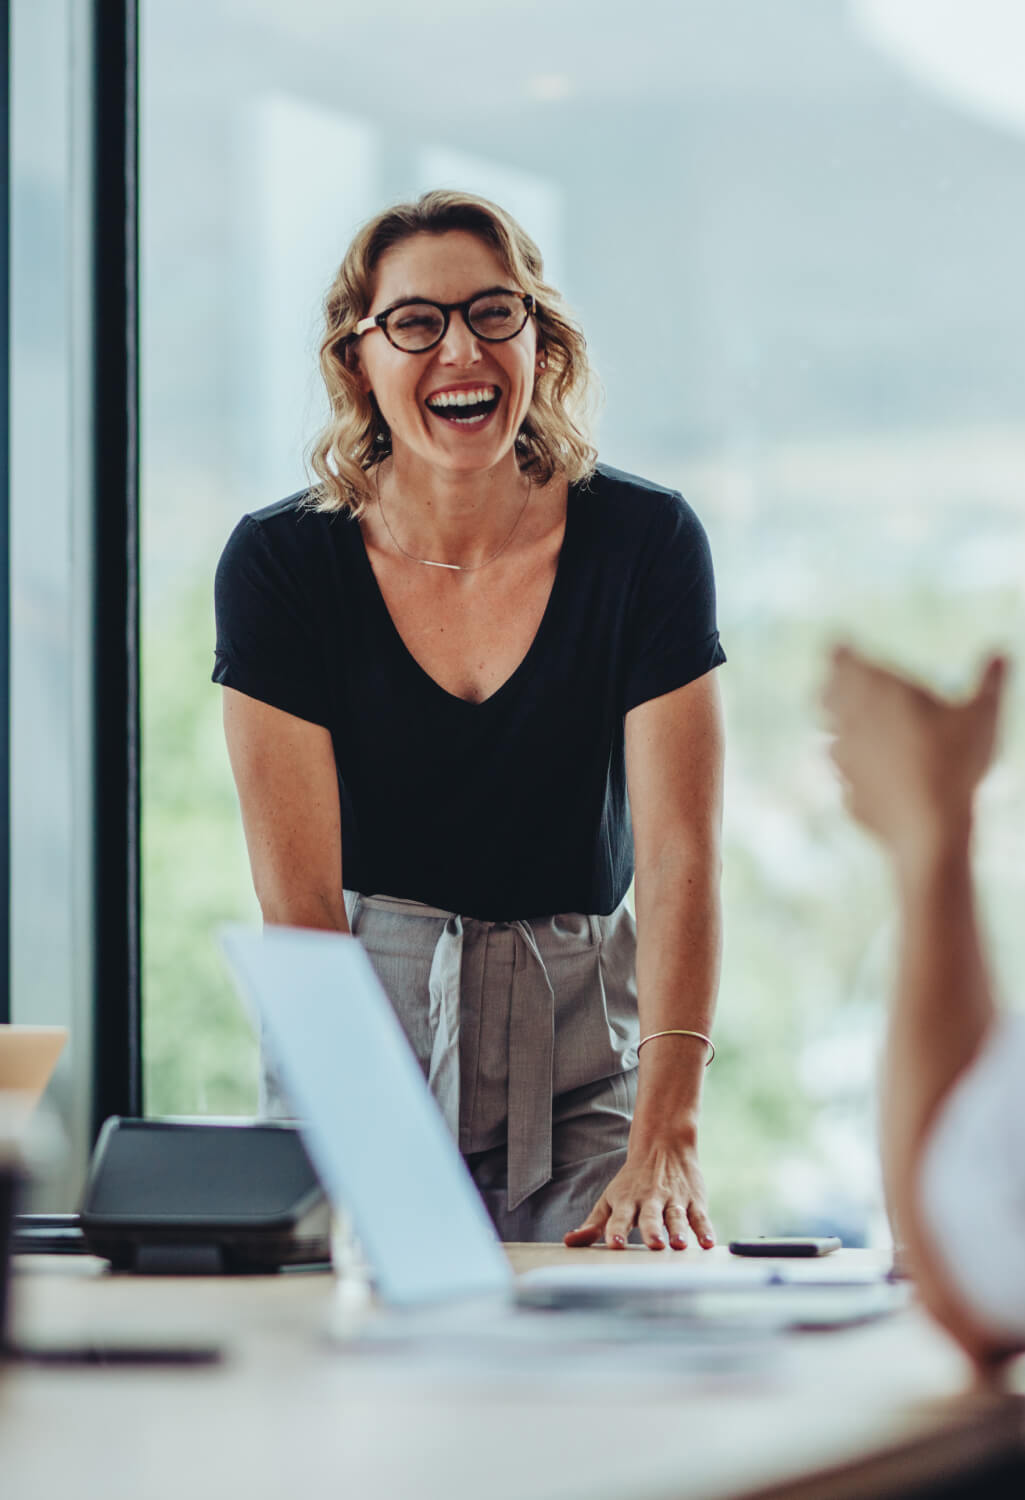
(410, 388)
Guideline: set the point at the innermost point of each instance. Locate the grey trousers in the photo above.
(527, 1036)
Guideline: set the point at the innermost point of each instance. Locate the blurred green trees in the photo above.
(199, 1055)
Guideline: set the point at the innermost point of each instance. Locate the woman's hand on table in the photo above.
(660, 1190)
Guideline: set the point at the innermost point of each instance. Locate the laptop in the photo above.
(388, 1162)
(28, 1056)
(377, 1139)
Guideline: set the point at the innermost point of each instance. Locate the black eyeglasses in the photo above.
(418, 326)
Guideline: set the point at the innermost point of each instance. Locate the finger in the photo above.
(591, 1229)
(842, 656)
(587, 1234)
(829, 695)
(651, 1223)
(988, 698)
(617, 1231)
(992, 679)
(841, 660)
(852, 675)
(701, 1224)
(843, 701)
(676, 1223)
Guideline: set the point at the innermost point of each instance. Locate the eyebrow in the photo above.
(411, 299)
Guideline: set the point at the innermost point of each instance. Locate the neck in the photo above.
(450, 518)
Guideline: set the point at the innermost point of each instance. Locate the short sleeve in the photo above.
(672, 632)
(972, 1182)
(267, 643)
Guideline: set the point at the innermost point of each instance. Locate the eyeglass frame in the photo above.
(380, 320)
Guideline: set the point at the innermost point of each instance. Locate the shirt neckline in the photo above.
(521, 667)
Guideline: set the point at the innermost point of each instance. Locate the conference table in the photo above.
(875, 1409)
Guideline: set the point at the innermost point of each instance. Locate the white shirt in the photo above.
(972, 1182)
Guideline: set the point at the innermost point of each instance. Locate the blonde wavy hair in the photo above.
(555, 436)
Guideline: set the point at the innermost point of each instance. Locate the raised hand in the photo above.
(910, 760)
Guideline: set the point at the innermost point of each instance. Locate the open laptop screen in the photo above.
(374, 1133)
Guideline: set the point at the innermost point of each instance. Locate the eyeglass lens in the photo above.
(419, 325)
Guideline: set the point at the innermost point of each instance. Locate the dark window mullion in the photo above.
(5, 526)
(117, 1055)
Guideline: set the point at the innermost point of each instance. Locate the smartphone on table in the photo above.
(788, 1244)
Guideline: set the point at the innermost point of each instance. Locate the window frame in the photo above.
(117, 958)
(5, 521)
(101, 268)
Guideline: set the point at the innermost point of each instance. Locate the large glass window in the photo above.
(794, 235)
(51, 946)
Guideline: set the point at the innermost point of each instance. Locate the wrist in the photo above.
(671, 1064)
(941, 847)
(667, 1109)
(687, 1032)
(663, 1134)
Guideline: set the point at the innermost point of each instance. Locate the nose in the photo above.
(459, 346)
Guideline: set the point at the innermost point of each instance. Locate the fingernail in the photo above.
(657, 1242)
(618, 1241)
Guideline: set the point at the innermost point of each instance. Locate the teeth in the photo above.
(463, 398)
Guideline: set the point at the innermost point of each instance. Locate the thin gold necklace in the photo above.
(428, 562)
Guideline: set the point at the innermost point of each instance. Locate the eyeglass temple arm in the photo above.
(364, 325)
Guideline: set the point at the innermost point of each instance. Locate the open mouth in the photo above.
(468, 408)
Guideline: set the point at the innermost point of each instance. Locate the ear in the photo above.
(354, 365)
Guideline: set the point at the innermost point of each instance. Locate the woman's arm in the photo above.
(284, 769)
(942, 1010)
(674, 759)
(911, 763)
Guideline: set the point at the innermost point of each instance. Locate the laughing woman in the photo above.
(472, 670)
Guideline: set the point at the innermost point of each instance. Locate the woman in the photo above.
(461, 669)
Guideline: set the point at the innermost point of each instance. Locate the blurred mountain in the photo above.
(771, 231)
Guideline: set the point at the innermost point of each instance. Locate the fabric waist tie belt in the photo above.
(531, 1043)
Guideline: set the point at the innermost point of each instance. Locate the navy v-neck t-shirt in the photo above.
(510, 808)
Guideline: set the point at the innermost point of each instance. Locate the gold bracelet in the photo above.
(680, 1031)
